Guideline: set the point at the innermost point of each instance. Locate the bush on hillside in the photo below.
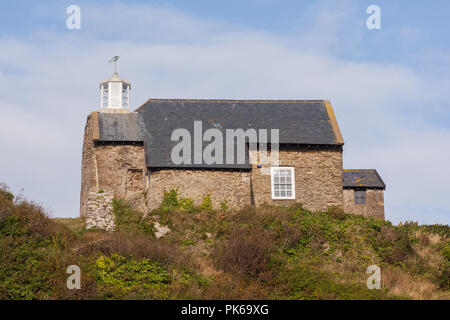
(246, 252)
(393, 245)
(5, 193)
(30, 244)
(336, 212)
(129, 220)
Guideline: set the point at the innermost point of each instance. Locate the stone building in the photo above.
(364, 192)
(244, 152)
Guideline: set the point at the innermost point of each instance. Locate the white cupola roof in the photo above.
(115, 94)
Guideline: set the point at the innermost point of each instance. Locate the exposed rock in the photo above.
(160, 231)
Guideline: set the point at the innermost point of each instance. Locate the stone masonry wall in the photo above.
(117, 169)
(99, 212)
(88, 176)
(122, 170)
(374, 206)
(233, 186)
(318, 177)
(318, 181)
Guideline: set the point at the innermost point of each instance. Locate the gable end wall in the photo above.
(318, 177)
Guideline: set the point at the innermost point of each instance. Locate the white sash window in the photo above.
(283, 182)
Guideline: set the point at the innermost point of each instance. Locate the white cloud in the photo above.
(166, 53)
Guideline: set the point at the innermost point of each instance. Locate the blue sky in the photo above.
(390, 88)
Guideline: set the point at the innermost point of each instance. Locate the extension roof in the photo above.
(362, 178)
(121, 127)
(305, 122)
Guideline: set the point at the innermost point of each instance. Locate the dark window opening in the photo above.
(360, 196)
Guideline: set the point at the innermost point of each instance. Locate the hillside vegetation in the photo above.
(264, 253)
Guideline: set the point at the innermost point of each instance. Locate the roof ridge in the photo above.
(229, 100)
(237, 100)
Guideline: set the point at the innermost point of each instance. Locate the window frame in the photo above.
(365, 196)
(272, 183)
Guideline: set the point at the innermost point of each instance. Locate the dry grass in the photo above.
(77, 225)
(429, 256)
(227, 287)
(400, 283)
(427, 238)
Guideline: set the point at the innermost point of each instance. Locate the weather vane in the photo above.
(114, 59)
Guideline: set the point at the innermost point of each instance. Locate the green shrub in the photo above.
(122, 275)
(441, 229)
(336, 212)
(224, 205)
(188, 242)
(446, 251)
(5, 193)
(31, 245)
(12, 226)
(444, 275)
(186, 204)
(127, 219)
(393, 245)
(206, 203)
(170, 199)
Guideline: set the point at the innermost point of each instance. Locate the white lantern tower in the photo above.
(115, 93)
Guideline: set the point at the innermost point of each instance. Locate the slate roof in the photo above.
(299, 122)
(362, 178)
(124, 127)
